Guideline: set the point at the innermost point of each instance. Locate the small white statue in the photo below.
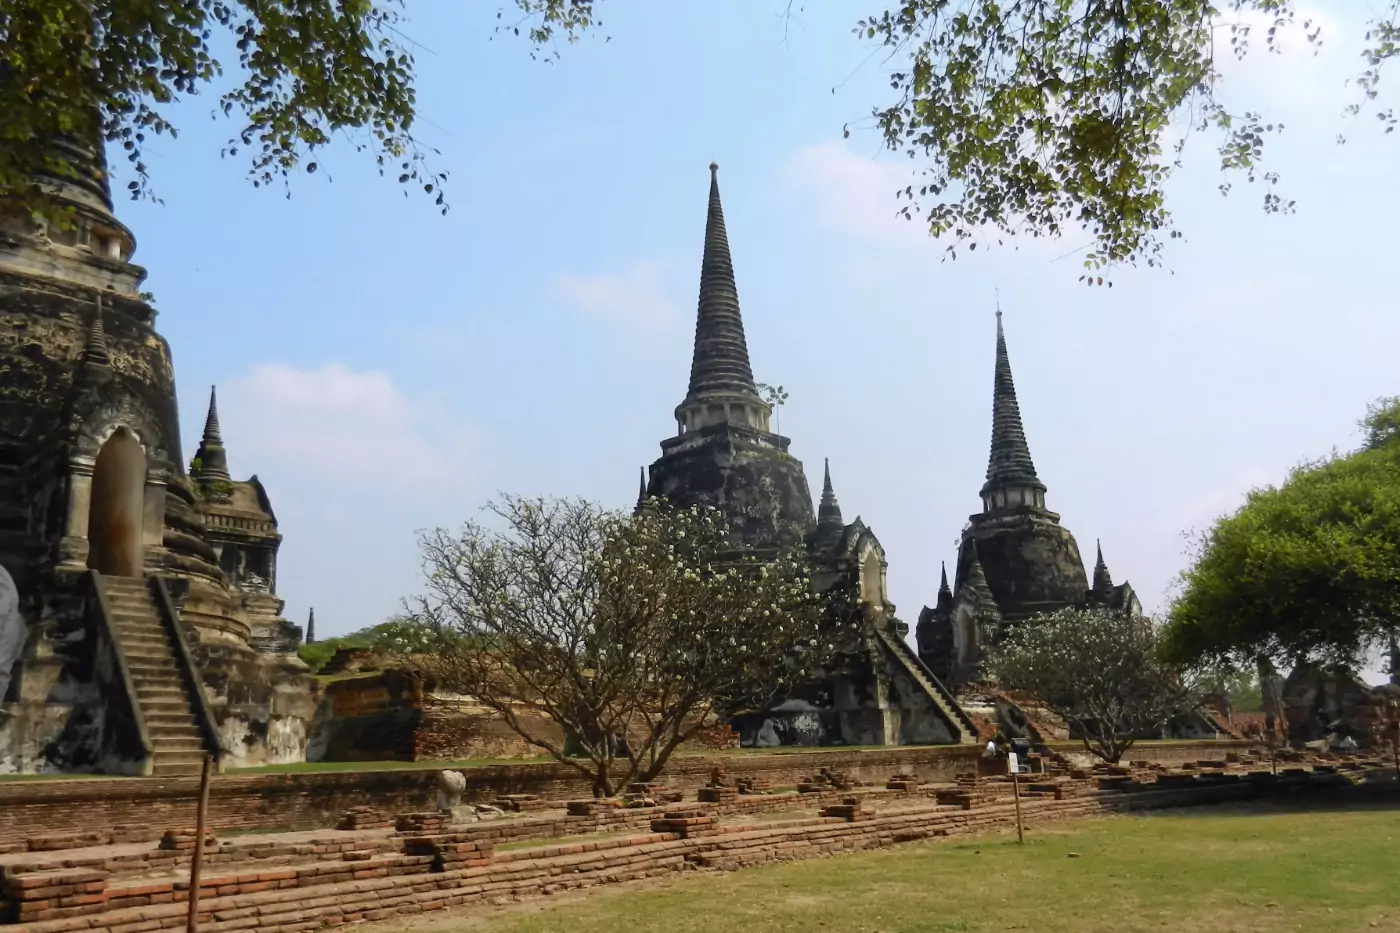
(450, 787)
(12, 629)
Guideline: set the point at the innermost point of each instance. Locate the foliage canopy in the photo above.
(1099, 669)
(306, 69)
(1040, 116)
(629, 633)
(1309, 570)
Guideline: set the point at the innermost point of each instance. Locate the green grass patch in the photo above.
(1219, 872)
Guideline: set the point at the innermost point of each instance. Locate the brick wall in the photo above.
(311, 800)
(1161, 753)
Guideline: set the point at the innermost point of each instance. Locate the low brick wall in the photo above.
(311, 800)
(371, 880)
(1162, 753)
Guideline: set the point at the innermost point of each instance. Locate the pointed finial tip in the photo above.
(714, 168)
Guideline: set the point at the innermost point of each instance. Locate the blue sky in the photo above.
(383, 368)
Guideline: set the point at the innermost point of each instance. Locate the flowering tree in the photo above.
(1097, 668)
(631, 633)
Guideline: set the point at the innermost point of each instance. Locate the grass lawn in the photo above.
(1211, 872)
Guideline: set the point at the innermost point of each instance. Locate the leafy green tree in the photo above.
(630, 633)
(396, 637)
(1309, 570)
(1240, 686)
(306, 69)
(1098, 669)
(1040, 115)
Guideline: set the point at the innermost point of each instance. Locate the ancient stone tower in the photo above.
(723, 454)
(138, 655)
(1015, 559)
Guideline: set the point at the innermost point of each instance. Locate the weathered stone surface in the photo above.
(1015, 559)
(747, 475)
(725, 457)
(91, 478)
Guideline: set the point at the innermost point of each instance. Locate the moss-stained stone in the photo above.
(85, 374)
(746, 474)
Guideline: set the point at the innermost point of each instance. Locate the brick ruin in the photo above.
(379, 865)
(147, 605)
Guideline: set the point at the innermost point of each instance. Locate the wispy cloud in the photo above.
(639, 296)
(337, 424)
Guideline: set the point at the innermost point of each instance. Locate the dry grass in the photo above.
(1212, 872)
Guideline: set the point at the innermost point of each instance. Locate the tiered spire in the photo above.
(720, 365)
(1103, 581)
(213, 459)
(95, 352)
(311, 627)
(977, 577)
(1010, 461)
(830, 524)
(945, 592)
(642, 489)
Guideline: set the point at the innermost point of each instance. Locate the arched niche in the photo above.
(116, 511)
(965, 640)
(872, 581)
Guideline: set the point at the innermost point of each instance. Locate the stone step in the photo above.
(168, 717)
(142, 618)
(177, 762)
(158, 695)
(150, 669)
(129, 604)
(149, 631)
(136, 650)
(174, 736)
(126, 583)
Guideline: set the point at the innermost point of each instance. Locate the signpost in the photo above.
(1013, 766)
(192, 922)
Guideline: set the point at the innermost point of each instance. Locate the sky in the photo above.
(385, 369)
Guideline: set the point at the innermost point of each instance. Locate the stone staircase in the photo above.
(178, 746)
(942, 699)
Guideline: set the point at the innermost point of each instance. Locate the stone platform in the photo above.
(295, 881)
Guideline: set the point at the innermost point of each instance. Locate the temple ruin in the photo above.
(152, 632)
(1015, 560)
(724, 455)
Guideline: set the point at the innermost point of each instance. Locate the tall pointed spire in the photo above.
(95, 352)
(642, 489)
(945, 592)
(830, 524)
(721, 361)
(311, 627)
(1103, 581)
(1009, 463)
(213, 460)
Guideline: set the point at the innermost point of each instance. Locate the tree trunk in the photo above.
(1268, 689)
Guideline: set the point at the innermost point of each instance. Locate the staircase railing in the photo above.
(189, 672)
(916, 666)
(125, 705)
